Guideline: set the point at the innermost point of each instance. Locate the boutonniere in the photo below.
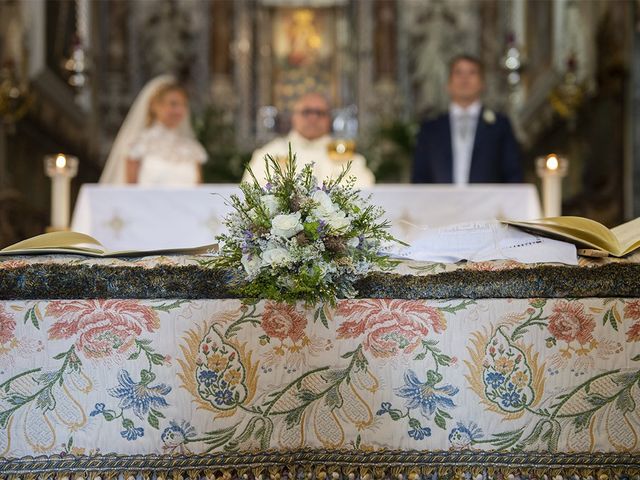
(489, 116)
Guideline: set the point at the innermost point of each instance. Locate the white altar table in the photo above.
(132, 217)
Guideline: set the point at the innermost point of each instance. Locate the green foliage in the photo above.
(226, 161)
(389, 150)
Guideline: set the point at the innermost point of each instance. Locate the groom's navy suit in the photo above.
(495, 157)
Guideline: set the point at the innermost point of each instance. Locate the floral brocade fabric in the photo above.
(172, 376)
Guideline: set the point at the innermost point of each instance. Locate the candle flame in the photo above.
(552, 162)
(61, 161)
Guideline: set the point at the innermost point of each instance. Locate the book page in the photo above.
(57, 242)
(484, 241)
(80, 244)
(200, 250)
(628, 235)
(580, 230)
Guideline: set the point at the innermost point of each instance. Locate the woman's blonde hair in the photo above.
(160, 93)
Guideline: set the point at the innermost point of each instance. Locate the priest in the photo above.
(310, 139)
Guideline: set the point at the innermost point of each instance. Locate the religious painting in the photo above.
(304, 49)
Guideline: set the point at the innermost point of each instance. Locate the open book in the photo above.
(595, 239)
(484, 241)
(80, 244)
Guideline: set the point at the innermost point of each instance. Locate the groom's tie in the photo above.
(464, 126)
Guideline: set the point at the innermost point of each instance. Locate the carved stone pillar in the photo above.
(385, 39)
(632, 202)
(438, 31)
(364, 17)
(4, 173)
(242, 54)
(200, 71)
(263, 58)
(403, 65)
(220, 57)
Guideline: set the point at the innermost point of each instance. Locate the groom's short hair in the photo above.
(466, 57)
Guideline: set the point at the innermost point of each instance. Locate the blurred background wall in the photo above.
(566, 71)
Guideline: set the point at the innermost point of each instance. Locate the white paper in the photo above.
(483, 241)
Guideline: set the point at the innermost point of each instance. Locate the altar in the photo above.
(132, 217)
(150, 366)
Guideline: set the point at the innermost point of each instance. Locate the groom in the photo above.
(470, 143)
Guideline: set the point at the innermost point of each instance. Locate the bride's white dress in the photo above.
(166, 157)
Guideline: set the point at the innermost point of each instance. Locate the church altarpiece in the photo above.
(303, 55)
(382, 63)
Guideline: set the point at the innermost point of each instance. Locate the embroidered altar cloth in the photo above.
(190, 384)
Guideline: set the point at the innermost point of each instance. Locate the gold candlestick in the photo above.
(341, 149)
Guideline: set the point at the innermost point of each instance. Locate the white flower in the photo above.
(328, 212)
(359, 204)
(276, 256)
(325, 205)
(286, 226)
(488, 116)
(353, 242)
(251, 264)
(337, 220)
(271, 204)
(252, 214)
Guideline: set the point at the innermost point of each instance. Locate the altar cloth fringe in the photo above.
(324, 464)
(56, 281)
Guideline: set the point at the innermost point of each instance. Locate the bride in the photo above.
(156, 144)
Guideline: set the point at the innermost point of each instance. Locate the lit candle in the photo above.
(61, 168)
(60, 191)
(551, 169)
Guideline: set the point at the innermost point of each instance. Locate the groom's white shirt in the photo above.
(464, 122)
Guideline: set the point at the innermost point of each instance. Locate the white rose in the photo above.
(251, 264)
(325, 206)
(276, 256)
(271, 204)
(353, 242)
(337, 221)
(286, 226)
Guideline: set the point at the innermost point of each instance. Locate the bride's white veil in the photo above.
(132, 127)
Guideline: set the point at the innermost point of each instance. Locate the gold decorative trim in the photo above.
(348, 464)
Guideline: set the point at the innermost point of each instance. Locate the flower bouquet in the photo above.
(295, 239)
